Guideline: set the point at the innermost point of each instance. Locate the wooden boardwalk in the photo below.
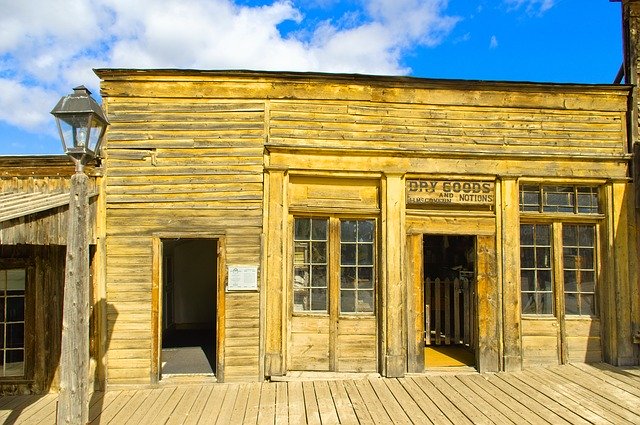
(572, 394)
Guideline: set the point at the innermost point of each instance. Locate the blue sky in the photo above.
(46, 49)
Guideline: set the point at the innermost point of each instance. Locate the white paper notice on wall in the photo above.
(242, 278)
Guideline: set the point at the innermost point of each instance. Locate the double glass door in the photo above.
(333, 293)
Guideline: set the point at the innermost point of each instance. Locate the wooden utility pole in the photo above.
(73, 400)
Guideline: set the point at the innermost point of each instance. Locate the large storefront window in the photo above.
(558, 255)
(12, 313)
(353, 241)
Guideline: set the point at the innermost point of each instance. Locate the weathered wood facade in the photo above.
(34, 196)
(340, 191)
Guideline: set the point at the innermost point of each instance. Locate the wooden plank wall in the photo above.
(43, 315)
(180, 166)
(47, 227)
(185, 154)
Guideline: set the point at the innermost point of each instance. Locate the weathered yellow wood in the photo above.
(415, 304)
(509, 235)
(487, 337)
(395, 349)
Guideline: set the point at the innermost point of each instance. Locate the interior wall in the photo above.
(195, 274)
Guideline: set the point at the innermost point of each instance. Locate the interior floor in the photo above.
(448, 356)
(201, 338)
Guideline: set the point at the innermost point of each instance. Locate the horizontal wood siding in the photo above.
(47, 227)
(583, 340)
(309, 343)
(470, 129)
(357, 344)
(539, 342)
(180, 166)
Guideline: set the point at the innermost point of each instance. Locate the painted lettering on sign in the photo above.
(450, 192)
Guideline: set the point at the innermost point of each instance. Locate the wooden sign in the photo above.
(242, 278)
(452, 192)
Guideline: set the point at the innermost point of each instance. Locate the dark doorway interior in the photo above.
(449, 298)
(189, 302)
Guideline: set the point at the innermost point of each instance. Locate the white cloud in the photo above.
(493, 43)
(532, 7)
(47, 47)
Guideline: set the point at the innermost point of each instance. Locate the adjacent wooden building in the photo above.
(258, 224)
(34, 198)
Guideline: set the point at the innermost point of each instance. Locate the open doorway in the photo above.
(189, 307)
(449, 300)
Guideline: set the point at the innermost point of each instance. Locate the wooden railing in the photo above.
(449, 311)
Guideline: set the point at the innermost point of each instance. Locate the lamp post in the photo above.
(82, 125)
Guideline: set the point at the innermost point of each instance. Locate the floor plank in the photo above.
(525, 399)
(577, 394)
(344, 408)
(358, 403)
(311, 403)
(372, 403)
(444, 404)
(297, 413)
(282, 403)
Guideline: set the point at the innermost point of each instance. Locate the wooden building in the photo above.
(258, 224)
(34, 198)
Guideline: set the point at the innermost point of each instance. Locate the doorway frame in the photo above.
(157, 299)
(488, 307)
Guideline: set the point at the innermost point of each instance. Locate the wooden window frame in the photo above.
(29, 319)
(557, 221)
(334, 267)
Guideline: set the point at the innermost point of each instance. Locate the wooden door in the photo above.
(333, 296)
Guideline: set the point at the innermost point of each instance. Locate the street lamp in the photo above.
(82, 125)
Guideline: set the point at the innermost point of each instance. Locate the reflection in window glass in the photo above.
(357, 266)
(578, 252)
(536, 276)
(559, 199)
(310, 263)
(12, 308)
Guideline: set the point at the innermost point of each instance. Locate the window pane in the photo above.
(571, 304)
(543, 234)
(348, 254)
(587, 281)
(545, 303)
(303, 228)
(348, 277)
(569, 235)
(319, 230)
(365, 254)
(527, 258)
(543, 258)
(301, 299)
(15, 309)
(586, 258)
(570, 258)
(16, 279)
(587, 305)
(319, 276)
(528, 279)
(365, 301)
(15, 335)
(365, 231)
(319, 252)
(319, 300)
(348, 301)
(348, 230)
(365, 277)
(586, 235)
(579, 269)
(544, 280)
(570, 281)
(528, 303)
(526, 234)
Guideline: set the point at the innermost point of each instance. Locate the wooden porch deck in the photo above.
(575, 394)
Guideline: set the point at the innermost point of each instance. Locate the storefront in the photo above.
(341, 223)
